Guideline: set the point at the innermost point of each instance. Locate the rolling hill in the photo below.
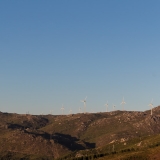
(108, 135)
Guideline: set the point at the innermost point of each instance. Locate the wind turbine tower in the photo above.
(106, 106)
(114, 107)
(122, 103)
(70, 111)
(62, 108)
(84, 102)
(80, 110)
(151, 105)
(51, 112)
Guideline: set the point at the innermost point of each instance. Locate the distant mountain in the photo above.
(91, 135)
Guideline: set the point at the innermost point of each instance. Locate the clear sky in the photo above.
(58, 52)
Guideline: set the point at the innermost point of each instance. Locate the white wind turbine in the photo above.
(80, 110)
(51, 111)
(62, 108)
(84, 102)
(151, 105)
(106, 106)
(122, 103)
(70, 111)
(114, 107)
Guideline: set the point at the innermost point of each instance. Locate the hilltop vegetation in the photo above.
(110, 135)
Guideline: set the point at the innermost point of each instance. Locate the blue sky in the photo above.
(59, 52)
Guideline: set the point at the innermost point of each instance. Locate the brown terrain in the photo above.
(111, 135)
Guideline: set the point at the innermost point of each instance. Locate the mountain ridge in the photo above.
(56, 136)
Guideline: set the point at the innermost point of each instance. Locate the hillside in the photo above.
(112, 134)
